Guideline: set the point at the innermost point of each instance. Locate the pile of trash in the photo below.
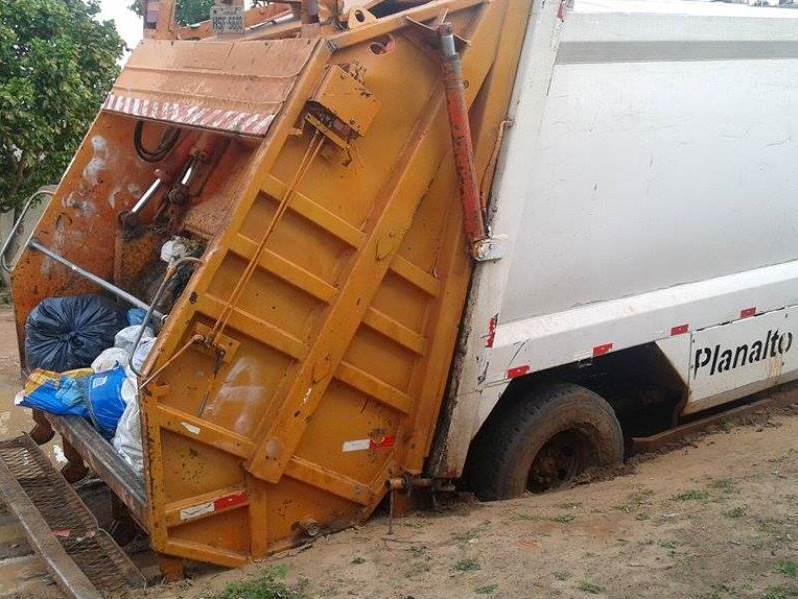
(84, 357)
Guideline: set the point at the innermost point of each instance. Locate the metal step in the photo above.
(83, 559)
(770, 399)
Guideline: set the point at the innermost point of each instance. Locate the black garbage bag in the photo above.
(64, 333)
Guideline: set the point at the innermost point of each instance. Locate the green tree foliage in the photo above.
(57, 64)
(193, 11)
(188, 11)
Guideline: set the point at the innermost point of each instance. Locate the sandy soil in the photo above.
(715, 518)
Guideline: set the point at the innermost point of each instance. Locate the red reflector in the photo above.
(517, 371)
(680, 330)
(491, 331)
(229, 501)
(748, 312)
(600, 350)
(383, 443)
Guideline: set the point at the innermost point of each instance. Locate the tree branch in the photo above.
(9, 202)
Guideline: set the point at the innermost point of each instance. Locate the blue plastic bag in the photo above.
(64, 394)
(95, 397)
(105, 400)
(74, 392)
(136, 316)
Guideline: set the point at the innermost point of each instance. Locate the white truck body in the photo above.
(646, 193)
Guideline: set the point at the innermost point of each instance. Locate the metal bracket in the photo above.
(358, 17)
(490, 249)
(429, 32)
(222, 348)
(342, 108)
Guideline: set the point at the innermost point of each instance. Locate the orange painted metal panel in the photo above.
(304, 364)
(224, 86)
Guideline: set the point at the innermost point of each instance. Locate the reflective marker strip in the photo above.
(600, 350)
(230, 501)
(249, 123)
(383, 443)
(680, 330)
(491, 331)
(372, 444)
(359, 445)
(748, 312)
(189, 513)
(194, 430)
(518, 371)
(226, 502)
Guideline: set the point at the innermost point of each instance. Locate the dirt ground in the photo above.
(715, 518)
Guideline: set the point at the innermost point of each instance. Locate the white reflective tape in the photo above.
(196, 511)
(359, 445)
(194, 430)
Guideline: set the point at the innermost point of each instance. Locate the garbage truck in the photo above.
(473, 242)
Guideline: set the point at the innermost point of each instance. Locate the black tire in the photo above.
(538, 429)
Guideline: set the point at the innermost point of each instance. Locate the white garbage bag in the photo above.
(127, 337)
(142, 351)
(127, 440)
(110, 359)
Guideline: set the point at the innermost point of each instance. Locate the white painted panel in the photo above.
(731, 16)
(647, 188)
(657, 170)
(677, 351)
(549, 340)
(735, 355)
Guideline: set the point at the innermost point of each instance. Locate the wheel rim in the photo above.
(559, 461)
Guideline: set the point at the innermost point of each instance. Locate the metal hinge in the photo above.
(489, 249)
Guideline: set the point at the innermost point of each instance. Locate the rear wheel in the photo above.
(542, 441)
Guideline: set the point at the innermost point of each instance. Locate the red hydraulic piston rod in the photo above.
(457, 109)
